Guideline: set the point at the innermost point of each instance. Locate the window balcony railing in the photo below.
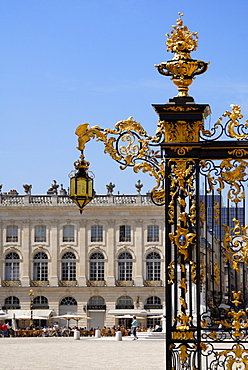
(96, 283)
(153, 283)
(124, 283)
(39, 283)
(11, 283)
(68, 283)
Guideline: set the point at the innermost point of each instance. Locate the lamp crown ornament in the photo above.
(182, 68)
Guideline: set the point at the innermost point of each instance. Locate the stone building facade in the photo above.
(103, 263)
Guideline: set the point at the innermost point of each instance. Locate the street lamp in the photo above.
(31, 296)
(81, 179)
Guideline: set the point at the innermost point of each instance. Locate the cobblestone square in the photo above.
(86, 353)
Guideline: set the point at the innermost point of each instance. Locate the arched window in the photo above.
(96, 303)
(153, 266)
(68, 301)
(68, 305)
(40, 302)
(124, 302)
(40, 266)
(12, 267)
(125, 266)
(11, 303)
(153, 301)
(97, 266)
(68, 267)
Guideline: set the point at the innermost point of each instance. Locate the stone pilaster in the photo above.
(26, 272)
(82, 251)
(110, 244)
(54, 251)
(138, 243)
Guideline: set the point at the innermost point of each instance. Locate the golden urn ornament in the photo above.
(182, 68)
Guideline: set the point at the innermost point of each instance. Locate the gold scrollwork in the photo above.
(235, 244)
(233, 173)
(237, 356)
(216, 273)
(238, 152)
(183, 302)
(181, 150)
(202, 210)
(193, 271)
(180, 109)
(234, 116)
(183, 285)
(136, 147)
(171, 272)
(216, 211)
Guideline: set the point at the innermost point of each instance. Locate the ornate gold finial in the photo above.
(181, 39)
(182, 68)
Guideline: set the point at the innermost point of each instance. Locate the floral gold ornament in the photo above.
(216, 273)
(237, 296)
(181, 131)
(182, 68)
(171, 272)
(184, 321)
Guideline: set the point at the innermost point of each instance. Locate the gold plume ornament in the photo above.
(182, 68)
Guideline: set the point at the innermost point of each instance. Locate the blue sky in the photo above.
(67, 62)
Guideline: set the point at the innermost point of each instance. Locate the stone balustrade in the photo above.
(8, 200)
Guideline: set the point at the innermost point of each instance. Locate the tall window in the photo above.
(96, 233)
(68, 233)
(40, 302)
(153, 266)
(125, 266)
(152, 233)
(12, 267)
(40, 233)
(97, 266)
(68, 267)
(125, 233)
(12, 234)
(40, 266)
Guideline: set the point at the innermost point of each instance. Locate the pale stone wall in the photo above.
(54, 212)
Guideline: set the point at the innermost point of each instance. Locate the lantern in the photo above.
(81, 184)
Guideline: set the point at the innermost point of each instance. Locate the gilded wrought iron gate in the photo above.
(206, 245)
(201, 177)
